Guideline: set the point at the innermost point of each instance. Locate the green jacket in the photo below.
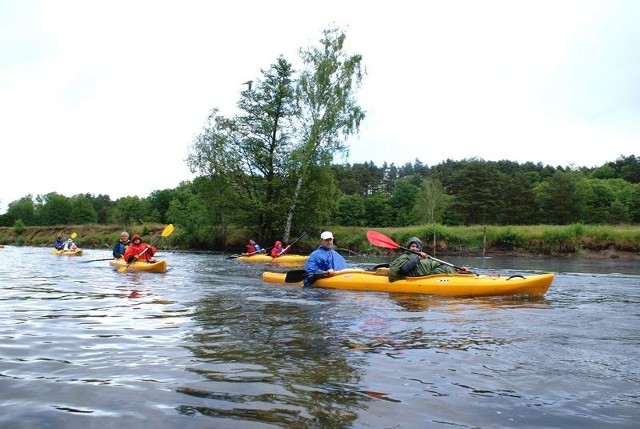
(410, 265)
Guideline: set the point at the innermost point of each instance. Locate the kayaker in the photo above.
(70, 245)
(138, 250)
(278, 250)
(252, 248)
(120, 246)
(417, 264)
(59, 243)
(324, 261)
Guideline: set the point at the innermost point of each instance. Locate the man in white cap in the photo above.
(324, 261)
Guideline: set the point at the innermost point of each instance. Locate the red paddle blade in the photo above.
(381, 240)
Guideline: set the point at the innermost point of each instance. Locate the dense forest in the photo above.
(467, 192)
(270, 170)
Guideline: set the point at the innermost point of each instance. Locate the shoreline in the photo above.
(584, 254)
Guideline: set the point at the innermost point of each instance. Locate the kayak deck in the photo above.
(77, 252)
(158, 266)
(284, 259)
(439, 284)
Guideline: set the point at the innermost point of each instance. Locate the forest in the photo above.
(466, 192)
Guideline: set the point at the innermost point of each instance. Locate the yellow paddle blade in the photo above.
(123, 269)
(168, 230)
(73, 235)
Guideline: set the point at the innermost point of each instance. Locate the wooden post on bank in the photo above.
(484, 240)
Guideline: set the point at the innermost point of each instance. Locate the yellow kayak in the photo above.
(284, 259)
(158, 266)
(439, 284)
(77, 252)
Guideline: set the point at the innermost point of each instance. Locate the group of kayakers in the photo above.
(253, 248)
(64, 245)
(130, 251)
(325, 261)
(134, 250)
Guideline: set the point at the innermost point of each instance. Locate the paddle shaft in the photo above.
(434, 259)
(379, 239)
(295, 276)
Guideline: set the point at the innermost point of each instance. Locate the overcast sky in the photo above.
(107, 97)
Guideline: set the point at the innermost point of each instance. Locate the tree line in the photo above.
(465, 192)
(269, 170)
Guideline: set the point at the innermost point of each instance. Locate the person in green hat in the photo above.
(417, 264)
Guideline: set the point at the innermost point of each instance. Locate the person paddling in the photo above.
(324, 261)
(138, 250)
(59, 243)
(278, 250)
(252, 248)
(120, 246)
(415, 264)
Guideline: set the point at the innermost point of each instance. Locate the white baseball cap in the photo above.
(326, 235)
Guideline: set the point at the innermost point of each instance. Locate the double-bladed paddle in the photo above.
(381, 240)
(98, 260)
(167, 231)
(295, 276)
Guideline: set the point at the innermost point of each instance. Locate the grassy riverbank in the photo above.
(571, 240)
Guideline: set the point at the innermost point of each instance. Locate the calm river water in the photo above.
(209, 345)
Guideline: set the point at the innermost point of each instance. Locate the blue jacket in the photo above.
(118, 249)
(59, 244)
(321, 260)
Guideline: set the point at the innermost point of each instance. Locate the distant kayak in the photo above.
(77, 252)
(439, 284)
(158, 266)
(284, 259)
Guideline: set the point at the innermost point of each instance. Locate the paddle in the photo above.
(295, 276)
(167, 231)
(98, 260)
(302, 235)
(244, 254)
(381, 240)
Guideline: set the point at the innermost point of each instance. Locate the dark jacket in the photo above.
(409, 264)
(119, 248)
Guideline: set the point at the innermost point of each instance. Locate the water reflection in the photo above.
(208, 344)
(282, 362)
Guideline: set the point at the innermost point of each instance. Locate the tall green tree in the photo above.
(55, 209)
(351, 210)
(431, 202)
(402, 200)
(248, 155)
(103, 205)
(23, 209)
(517, 204)
(474, 187)
(327, 110)
(562, 198)
(131, 210)
(82, 211)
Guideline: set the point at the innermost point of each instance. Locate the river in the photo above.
(209, 345)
